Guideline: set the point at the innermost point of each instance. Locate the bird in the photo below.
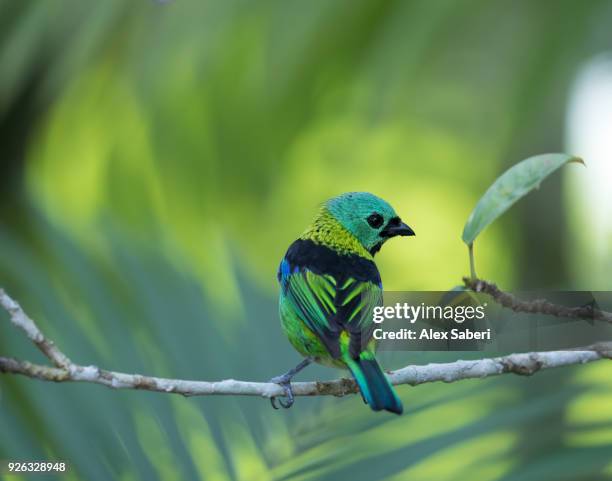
(329, 285)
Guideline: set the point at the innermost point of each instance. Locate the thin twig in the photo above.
(537, 306)
(27, 325)
(523, 364)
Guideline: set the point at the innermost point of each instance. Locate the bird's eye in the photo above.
(375, 220)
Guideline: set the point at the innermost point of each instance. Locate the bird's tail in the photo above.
(373, 383)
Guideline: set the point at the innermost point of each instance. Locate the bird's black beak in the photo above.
(396, 227)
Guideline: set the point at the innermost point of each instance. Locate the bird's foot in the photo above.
(285, 382)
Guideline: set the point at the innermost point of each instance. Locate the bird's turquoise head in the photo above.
(370, 219)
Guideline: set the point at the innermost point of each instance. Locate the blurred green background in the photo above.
(158, 158)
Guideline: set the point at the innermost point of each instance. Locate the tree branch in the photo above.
(523, 364)
(538, 306)
(67, 371)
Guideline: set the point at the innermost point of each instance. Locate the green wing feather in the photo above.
(329, 307)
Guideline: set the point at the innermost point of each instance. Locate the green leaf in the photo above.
(513, 184)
